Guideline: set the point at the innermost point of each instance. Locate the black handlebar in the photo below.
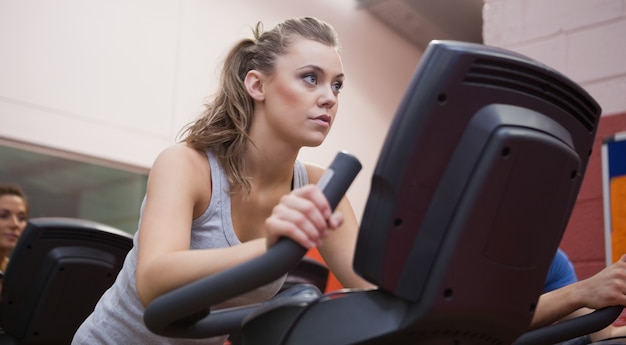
(185, 312)
(570, 329)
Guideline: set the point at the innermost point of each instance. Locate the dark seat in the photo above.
(58, 270)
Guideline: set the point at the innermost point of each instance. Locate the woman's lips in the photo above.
(323, 120)
(10, 237)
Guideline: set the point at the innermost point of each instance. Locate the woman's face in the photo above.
(12, 220)
(301, 96)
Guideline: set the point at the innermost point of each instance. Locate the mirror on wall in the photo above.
(61, 185)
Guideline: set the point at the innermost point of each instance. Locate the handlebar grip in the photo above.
(185, 312)
(570, 329)
(338, 177)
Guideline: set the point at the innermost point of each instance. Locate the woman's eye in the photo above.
(310, 78)
(337, 86)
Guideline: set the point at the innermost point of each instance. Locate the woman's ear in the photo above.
(254, 85)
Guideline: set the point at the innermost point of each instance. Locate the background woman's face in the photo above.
(13, 219)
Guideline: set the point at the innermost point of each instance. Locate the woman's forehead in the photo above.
(11, 201)
(304, 52)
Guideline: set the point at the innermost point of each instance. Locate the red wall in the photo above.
(583, 240)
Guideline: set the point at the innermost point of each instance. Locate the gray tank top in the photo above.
(117, 318)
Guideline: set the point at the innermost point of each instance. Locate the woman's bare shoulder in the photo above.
(183, 161)
(180, 171)
(181, 151)
(181, 157)
(314, 171)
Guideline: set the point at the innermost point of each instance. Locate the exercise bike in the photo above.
(471, 194)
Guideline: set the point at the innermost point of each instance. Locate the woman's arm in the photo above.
(179, 188)
(337, 249)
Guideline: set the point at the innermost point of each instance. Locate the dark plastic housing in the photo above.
(58, 270)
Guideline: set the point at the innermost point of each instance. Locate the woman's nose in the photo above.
(329, 98)
(14, 222)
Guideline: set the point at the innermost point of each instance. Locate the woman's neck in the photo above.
(4, 260)
(267, 169)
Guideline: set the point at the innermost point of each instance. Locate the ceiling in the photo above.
(421, 21)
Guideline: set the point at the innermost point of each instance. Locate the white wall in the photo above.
(583, 39)
(115, 80)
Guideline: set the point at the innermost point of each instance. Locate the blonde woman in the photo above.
(234, 185)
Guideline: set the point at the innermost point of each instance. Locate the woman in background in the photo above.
(13, 219)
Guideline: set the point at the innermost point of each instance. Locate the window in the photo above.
(64, 185)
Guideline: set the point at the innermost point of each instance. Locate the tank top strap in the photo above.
(300, 176)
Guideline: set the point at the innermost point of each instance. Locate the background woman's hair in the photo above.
(224, 125)
(13, 189)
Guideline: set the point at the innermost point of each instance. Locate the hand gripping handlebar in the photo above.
(186, 312)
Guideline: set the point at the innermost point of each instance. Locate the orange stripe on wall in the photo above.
(617, 190)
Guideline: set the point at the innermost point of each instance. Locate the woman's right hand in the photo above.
(304, 215)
